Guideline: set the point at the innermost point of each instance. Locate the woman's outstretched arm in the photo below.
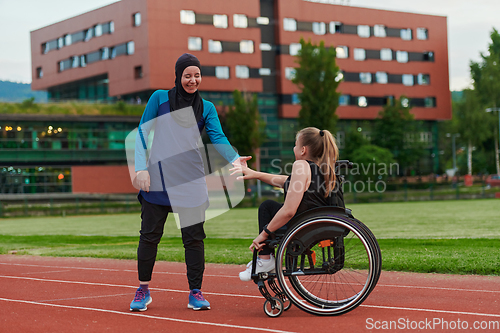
(299, 182)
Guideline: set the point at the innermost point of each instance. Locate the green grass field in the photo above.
(461, 237)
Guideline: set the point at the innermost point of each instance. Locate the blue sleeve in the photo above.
(215, 133)
(141, 139)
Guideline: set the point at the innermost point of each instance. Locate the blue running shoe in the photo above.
(141, 300)
(197, 301)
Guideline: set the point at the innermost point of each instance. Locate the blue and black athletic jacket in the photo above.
(159, 105)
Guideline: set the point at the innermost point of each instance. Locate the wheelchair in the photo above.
(327, 263)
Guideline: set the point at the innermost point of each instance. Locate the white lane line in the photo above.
(235, 276)
(237, 295)
(46, 272)
(120, 286)
(83, 297)
(430, 310)
(146, 316)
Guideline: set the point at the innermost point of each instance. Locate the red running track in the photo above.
(44, 294)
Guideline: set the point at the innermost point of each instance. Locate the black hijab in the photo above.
(177, 96)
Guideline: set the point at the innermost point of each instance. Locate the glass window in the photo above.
(214, 46)
(262, 20)
(242, 72)
(319, 28)
(422, 33)
(405, 102)
(386, 54)
(406, 34)
(295, 99)
(61, 66)
(364, 31)
(220, 21)
(362, 102)
(97, 30)
(246, 46)
(264, 71)
(344, 100)
(428, 56)
(359, 54)
(39, 72)
(265, 47)
(289, 24)
(138, 72)
(111, 27)
(342, 52)
(240, 21)
(89, 34)
(83, 61)
(365, 78)
(379, 30)
(112, 53)
(290, 73)
(423, 79)
(339, 77)
(335, 27)
(402, 56)
(430, 102)
(222, 72)
(408, 79)
(194, 43)
(105, 53)
(187, 17)
(136, 19)
(130, 48)
(67, 40)
(60, 42)
(381, 77)
(75, 62)
(295, 48)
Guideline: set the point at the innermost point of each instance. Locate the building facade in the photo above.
(128, 49)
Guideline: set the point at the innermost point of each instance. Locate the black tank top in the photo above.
(314, 196)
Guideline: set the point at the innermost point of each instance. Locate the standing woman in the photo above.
(179, 169)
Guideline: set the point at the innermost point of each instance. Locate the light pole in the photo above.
(453, 136)
(495, 109)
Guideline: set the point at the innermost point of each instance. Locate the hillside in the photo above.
(18, 92)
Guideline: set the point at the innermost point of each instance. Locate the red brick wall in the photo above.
(101, 179)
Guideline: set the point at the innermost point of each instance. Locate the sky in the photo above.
(469, 26)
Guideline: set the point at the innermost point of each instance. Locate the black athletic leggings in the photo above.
(267, 210)
(153, 221)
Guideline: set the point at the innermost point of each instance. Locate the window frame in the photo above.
(357, 54)
(289, 24)
(195, 41)
(187, 17)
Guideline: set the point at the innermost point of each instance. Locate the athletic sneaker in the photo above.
(141, 300)
(197, 301)
(262, 266)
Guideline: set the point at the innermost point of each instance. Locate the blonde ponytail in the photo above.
(323, 148)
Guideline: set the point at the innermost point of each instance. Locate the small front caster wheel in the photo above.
(273, 307)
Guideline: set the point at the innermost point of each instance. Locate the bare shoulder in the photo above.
(301, 167)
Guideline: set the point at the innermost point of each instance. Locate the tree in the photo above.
(486, 79)
(353, 140)
(396, 130)
(372, 163)
(318, 78)
(244, 125)
(473, 123)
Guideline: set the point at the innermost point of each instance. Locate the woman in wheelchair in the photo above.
(327, 261)
(311, 184)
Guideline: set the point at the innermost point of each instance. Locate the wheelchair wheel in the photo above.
(328, 264)
(273, 307)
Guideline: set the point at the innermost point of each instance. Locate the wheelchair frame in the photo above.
(351, 263)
